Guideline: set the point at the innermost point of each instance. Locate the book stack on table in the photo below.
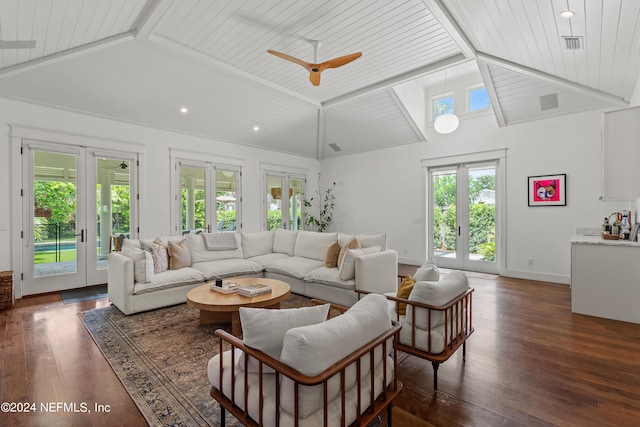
(253, 290)
(226, 288)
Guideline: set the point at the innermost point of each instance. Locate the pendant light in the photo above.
(448, 122)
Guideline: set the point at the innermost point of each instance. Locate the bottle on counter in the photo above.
(606, 227)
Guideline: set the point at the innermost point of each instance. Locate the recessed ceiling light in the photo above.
(184, 110)
(256, 128)
(567, 13)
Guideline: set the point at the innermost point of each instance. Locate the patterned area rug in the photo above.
(161, 357)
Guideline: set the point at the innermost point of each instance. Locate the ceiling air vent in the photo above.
(549, 102)
(335, 147)
(572, 42)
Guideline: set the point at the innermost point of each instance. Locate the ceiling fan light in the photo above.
(446, 123)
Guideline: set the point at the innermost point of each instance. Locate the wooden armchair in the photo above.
(350, 391)
(438, 319)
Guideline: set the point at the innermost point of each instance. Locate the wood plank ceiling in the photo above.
(141, 60)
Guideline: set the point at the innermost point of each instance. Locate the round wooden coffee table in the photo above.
(223, 308)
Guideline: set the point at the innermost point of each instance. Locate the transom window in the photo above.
(478, 99)
(442, 105)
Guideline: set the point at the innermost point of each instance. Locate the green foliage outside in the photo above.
(481, 216)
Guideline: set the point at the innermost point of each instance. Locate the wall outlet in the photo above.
(530, 261)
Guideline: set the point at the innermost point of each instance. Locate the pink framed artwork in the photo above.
(547, 190)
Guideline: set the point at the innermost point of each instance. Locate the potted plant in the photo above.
(326, 203)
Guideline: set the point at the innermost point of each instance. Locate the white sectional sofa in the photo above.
(138, 282)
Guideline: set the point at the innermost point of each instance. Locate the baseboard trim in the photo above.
(410, 261)
(541, 277)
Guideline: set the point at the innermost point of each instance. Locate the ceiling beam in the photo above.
(150, 15)
(491, 91)
(551, 79)
(67, 54)
(442, 15)
(400, 78)
(403, 109)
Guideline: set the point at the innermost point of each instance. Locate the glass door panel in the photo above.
(226, 200)
(112, 207)
(482, 216)
(53, 251)
(274, 206)
(296, 186)
(444, 216)
(193, 190)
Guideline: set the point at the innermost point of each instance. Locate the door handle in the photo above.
(81, 236)
(459, 231)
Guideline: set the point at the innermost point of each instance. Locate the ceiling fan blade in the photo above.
(314, 78)
(290, 58)
(340, 61)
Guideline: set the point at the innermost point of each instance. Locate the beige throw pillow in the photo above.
(179, 255)
(351, 244)
(331, 256)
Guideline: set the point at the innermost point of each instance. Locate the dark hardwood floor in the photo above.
(530, 362)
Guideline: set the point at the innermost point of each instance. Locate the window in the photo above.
(442, 105)
(478, 99)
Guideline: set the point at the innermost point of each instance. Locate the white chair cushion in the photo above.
(436, 294)
(258, 243)
(264, 329)
(312, 349)
(427, 271)
(312, 244)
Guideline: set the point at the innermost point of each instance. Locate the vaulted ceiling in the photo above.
(140, 61)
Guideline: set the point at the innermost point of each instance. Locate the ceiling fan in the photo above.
(316, 68)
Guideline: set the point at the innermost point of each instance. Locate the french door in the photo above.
(283, 200)
(209, 197)
(74, 200)
(463, 216)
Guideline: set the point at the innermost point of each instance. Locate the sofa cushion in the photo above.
(220, 241)
(427, 271)
(294, 266)
(227, 268)
(131, 243)
(199, 252)
(368, 240)
(179, 255)
(437, 294)
(258, 243)
(264, 329)
(313, 244)
(170, 279)
(142, 264)
(329, 277)
(284, 241)
(348, 266)
(267, 259)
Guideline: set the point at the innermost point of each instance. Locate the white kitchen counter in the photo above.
(605, 277)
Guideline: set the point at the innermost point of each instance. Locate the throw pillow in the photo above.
(264, 329)
(159, 254)
(351, 244)
(179, 255)
(142, 264)
(404, 290)
(427, 272)
(348, 266)
(331, 256)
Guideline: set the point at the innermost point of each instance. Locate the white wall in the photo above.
(383, 190)
(156, 167)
